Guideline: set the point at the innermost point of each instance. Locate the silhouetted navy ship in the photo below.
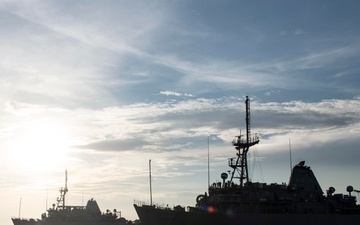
(238, 201)
(61, 214)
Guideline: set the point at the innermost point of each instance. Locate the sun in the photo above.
(39, 145)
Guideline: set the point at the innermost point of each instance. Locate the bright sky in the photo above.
(100, 87)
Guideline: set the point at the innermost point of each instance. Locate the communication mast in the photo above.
(63, 191)
(240, 165)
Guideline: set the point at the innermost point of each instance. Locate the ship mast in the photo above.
(63, 191)
(240, 166)
(150, 182)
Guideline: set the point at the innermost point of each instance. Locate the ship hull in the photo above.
(60, 222)
(157, 216)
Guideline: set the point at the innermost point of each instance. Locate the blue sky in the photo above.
(100, 87)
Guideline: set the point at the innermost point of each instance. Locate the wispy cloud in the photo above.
(173, 93)
(299, 32)
(294, 32)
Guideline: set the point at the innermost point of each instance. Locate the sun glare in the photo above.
(39, 145)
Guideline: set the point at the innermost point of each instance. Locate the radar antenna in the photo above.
(240, 166)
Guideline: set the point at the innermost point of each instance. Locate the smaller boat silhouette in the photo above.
(62, 214)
